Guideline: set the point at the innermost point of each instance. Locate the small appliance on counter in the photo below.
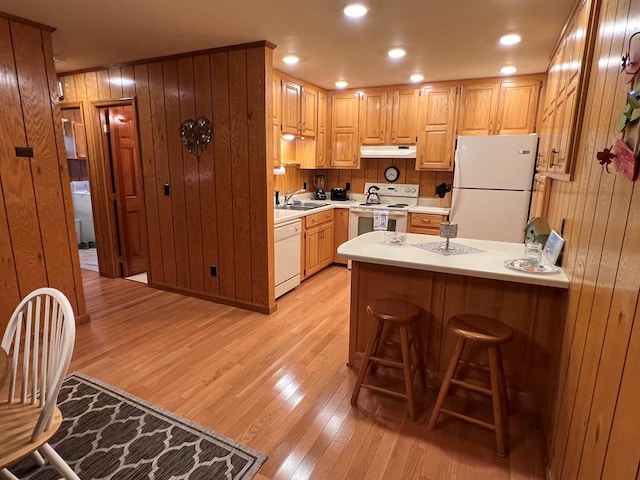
(339, 194)
(319, 183)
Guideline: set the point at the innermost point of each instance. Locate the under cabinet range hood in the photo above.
(388, 151)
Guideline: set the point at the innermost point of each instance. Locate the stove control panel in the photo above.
(394, 189)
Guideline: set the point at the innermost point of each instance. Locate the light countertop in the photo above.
(429, 209)
(370, 248)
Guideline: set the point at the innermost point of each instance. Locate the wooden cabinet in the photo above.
(321, 136)
(436, 128)
(299, 108)
(501, 108)
(345, 147)
(340, 232)
(540, 196)
(317, 242)
(563, 105)
(517, 107)
(373, 117)
(275, 121)
(308, 111)
(404, 116)
(388, 116)
(291, 112)
(478, 103)
(425, 223)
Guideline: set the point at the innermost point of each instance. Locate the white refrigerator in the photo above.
(492, 182)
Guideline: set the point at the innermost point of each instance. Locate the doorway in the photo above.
(75, 144)
(123, 172)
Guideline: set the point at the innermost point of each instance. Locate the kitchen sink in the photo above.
(301, 207)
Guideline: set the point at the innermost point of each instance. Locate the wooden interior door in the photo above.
(127, 189)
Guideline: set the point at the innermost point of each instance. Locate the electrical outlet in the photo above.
(166, 189)
(348, 186)
(214, 271)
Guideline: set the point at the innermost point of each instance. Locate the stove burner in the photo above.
(369, 204)
(398, 205)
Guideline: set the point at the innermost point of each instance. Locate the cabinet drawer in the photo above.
(425, 230)
(426, 220)
(318, 218)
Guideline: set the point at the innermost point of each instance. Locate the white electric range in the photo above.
(395, 199)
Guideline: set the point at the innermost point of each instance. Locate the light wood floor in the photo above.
(280, 384)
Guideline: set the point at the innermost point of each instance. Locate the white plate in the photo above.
(523, 265)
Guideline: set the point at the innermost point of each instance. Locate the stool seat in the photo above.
(394, 310)
(400, 315)
(480, 328)
(488, 333)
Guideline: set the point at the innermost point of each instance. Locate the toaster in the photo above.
(338, 194)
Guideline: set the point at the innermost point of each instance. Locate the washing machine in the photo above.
(81, 199)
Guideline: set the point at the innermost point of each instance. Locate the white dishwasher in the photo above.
(287, 256)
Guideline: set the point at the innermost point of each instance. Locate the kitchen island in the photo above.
(532, 304)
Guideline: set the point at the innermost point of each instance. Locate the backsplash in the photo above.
(372, 170)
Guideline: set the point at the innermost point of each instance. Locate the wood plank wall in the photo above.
(594, 431)
(217, 212)
(38, 245)
(371, 170)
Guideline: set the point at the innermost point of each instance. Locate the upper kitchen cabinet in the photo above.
(299, 108)
(436, 128)
(404, 116)
(309, 111)
(478, 104)
(373, 117)
(517, 107)
(291, 111)
(388, 116)
(276, 122)
(321, 136)
(563, 105)
(500, 108)
(345, 145)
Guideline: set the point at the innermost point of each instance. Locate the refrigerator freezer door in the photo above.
(490, 214)
(497, 162)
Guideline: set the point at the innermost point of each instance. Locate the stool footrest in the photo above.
(471, 386)
(375, 388)
(386, 362)
(469, 419)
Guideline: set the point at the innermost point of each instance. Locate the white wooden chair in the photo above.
(39, 341)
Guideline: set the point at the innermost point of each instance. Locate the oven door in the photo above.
(361, 221)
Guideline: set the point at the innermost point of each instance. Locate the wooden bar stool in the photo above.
(396, 314)
(490, 334)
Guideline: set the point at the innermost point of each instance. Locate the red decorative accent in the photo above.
(625, 160)
(605, 157)
(631, 60)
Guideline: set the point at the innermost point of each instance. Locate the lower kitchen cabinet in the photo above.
(317, 241)
(425, 223)
(340, 232)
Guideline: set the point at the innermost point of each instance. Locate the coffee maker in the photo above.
(319, 182)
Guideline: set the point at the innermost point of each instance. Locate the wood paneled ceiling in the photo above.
(443, 39)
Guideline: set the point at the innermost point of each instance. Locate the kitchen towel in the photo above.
(380, 220)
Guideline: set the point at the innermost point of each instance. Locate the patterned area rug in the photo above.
(109, 434)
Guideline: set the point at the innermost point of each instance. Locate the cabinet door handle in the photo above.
(498, 131)
(490, 127)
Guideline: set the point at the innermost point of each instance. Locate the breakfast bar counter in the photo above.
(533, 304)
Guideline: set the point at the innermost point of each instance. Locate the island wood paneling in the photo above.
(594, 431)
(217, 212)
(37, 232)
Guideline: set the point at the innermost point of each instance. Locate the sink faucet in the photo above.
(288, 195)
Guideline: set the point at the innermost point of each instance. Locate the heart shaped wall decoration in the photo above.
(196, 135)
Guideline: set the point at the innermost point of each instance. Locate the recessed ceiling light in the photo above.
(508, 70)
(291, 59)
(341, 84)
(416, 77)
(396, 53)
(355, 10)
(510, 39)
